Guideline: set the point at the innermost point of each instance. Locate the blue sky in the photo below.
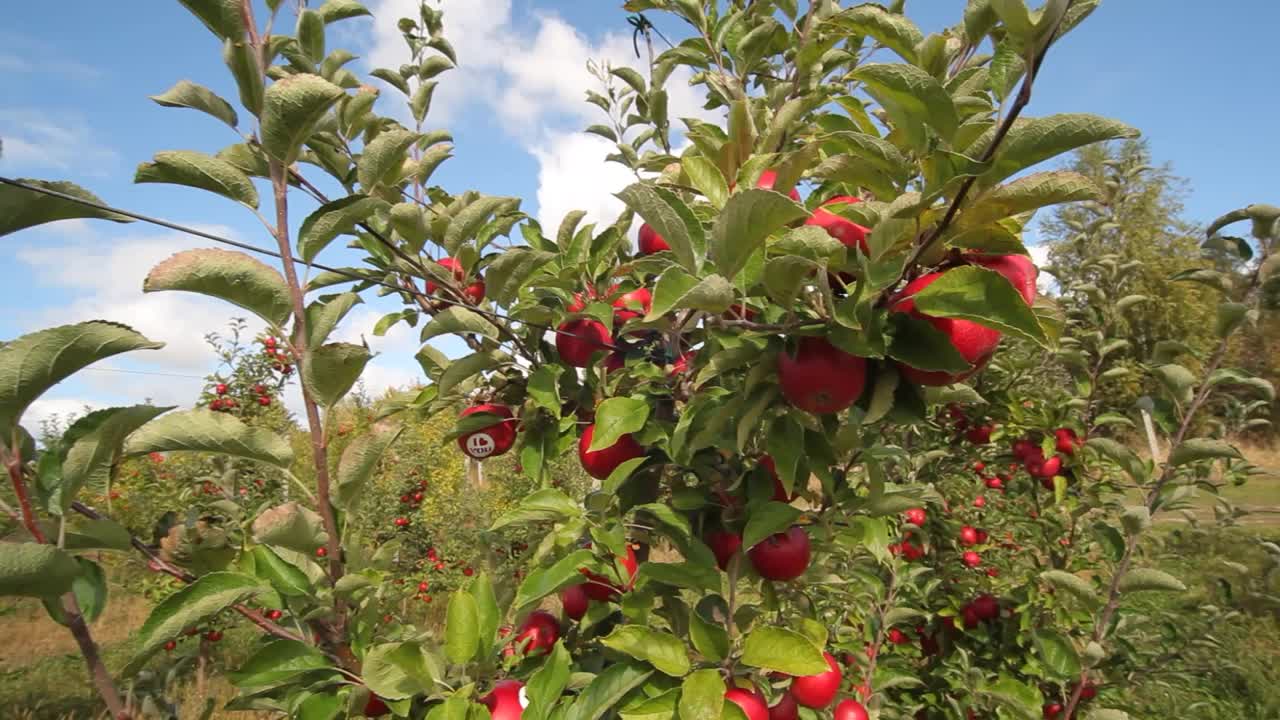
(1199, 84)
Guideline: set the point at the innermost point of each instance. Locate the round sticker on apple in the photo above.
(481, 445)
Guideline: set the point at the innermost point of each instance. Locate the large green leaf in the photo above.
(90, 590)
(545, 505)
(35, 570)
(1150, 579)
(290, 526)
(510, 271)
(209, 431)
(662, 650)
(324, 315)
(547, 684)
(462, 636)
(1072, 583)
(33, 363)
(1020, 697)
(276, 662)
(286, 578)
(335, 10)
(224, 18)
(1025, 194)
(702, 695)
(458, 320)
(1033, 141)
(487, 615)
(542, 582)
(382, 161)
(919, 344)
(616, 417)
(359, 460)
(606, 690)
(892, 30)
(291, 110)
(90, 457)
(1057, 653)
(191, 607)
(748, 219)
(187, 94)
(984, 297)
(782, 650)
(767, 519)
(467, 223)
(666, 213)
(397, 670)
(330, 371)
(677, 289)
(911, 96)
(201, 171)
(21, 208)
(1202, 449)
(227, 275)
(333, 219)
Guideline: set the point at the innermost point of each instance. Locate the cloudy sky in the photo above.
(77, 76)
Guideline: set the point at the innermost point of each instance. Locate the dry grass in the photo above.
(28, 635)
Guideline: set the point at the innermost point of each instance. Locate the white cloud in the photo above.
(573, 175)
(35, 140)
(393, 366)
(59, 409)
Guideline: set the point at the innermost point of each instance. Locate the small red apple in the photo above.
(915, 516)
(850, 710)
(849, 233)
(723, 545)
(264, 401)
(601, 463)
(1017, 269)
(402, 522)
(1023, 449)
(577, 340)
(506, 701)
(821, 378)
(321, 552)
(169, 646)
(220, 389)
(974, 342)
(979, 502)
(968, 535)
(752, 704)
(897, 637)
(818, 691)
(540, 630)
(650, 241)
(1066, 440)
(423, 586)
(602, 589)
(979, 466)
(451, 265)
(784, 556)
(979, 434)
(1046, 469)
(769, 178)
(785, 708)
(1052, 711)
(971, 559)
(575, 601)
(630, 305)
(490, 441)
(375, 707)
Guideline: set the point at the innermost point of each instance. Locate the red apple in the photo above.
(506, 702)
(915, 516)
(1067, 440)
(723, 545)
(601, 463)
(971, 559)
(752, 704)
(779, 492)
(375, 707)
(979, 434)
(1023, 449)
(784, 709)
(489, 441)
(979, 466)
(994, 483)
(968, 536)
(979, 502)
(575, 601)
(850, 710)
(602, 589)
(541, 630)
(1046, 469)
(820, 378)
(767, 180)
(650, 241)
(897, 637)
(818, 691)
(577, 340)
(615, 360)
(474, 292)
(630, 305)
(784, 556)
(450, 264)
(974, 342)
(682, 364)
(1017, 269)
(849, 233)
(1052, 711)
(985, 607)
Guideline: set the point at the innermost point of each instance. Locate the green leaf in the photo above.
(208, 431)
(511, 271)
(894, 31)
(324, 315)
(33, 363)
(242, 60)
(382, 162)
(462, 638)
(197, 170)
(187, 94)
(35, 570)
(395, 671)
(708, 638)
(545, 505)
(227, 275)
(310, 34)
(481, 588)
(285, 578)
(664, 651)
(547, 684)
(919, 344)
(1033, 141)
(910, 96)
(1073, 584)
(359, 460)
(457, 320)
(21, 208)
(707, 177)
(1135, 519)
(542, 582)
(467, 223)
(748, 219)
(222, 17)
(89, 459)
(290, 526)
(335, 10)
(616, 417)
(1150, 579)
(101, 534)
(982, 296)
(671, 218)
(277, 661)
(702, 695)
(1021, 697)
(1120, 455)
(1057, 653)
(1202, 449)
(1230, 315)
(292, 109)
(1106, 714)
(678, 289)
(330, 371)
(333, 219)
(606, 690)
(767, 519)
(782, 650)
(90, 590)
(1025, 194)
(191, 607)
(464, 368)
(1015, 16)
